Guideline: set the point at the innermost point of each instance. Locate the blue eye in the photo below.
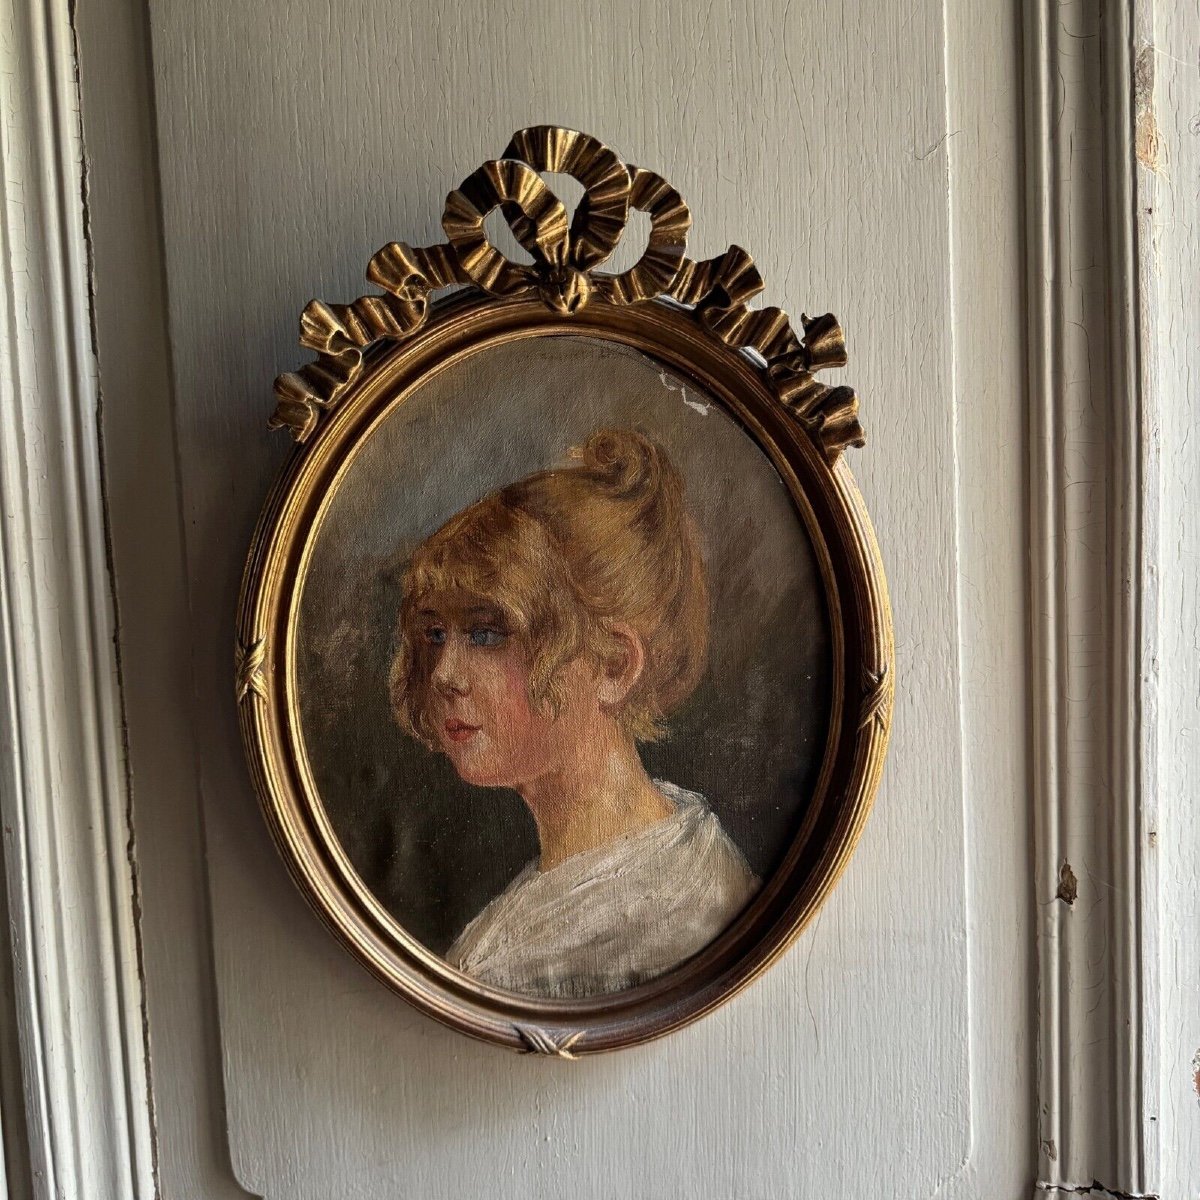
(484, 636)
(435, 635)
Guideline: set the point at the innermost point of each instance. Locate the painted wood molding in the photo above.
(67, 844)
(1093, 512)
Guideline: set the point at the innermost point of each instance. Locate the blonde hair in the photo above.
(564, 554)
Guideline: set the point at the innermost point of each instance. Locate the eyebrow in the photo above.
(486, 611)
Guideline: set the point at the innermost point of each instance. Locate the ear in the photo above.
(623, 664)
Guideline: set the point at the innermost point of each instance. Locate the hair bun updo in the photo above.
(625, 461)
(633, 468)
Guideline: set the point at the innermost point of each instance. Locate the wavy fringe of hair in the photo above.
(565, 554)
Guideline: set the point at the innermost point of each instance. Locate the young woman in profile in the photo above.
(545, 631)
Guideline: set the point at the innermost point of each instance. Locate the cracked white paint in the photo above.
(699, 405)
(1147, 140)
(1175, 296)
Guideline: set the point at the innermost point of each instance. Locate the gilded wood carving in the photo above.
(564, 277)
(565, 569)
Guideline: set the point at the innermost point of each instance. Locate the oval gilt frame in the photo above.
(692, 317)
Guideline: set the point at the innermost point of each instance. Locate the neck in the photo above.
(604, 794)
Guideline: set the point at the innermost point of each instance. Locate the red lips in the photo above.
(460, 731)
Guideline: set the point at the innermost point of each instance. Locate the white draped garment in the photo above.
(616, 915)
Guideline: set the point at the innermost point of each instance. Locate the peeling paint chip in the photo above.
(1146, 136)
(1196, 1074)
(1068, 885)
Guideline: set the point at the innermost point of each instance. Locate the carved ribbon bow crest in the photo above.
(566, 253)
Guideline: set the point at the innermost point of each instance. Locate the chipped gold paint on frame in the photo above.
(691, 316)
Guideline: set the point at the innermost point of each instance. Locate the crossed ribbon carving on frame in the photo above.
(566, 253)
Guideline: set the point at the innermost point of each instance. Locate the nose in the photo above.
(449, 675)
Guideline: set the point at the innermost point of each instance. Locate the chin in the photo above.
(480, 772)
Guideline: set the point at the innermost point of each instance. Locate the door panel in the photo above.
(867, 158)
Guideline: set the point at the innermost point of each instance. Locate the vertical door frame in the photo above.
(77, 1117)
(1093, 507)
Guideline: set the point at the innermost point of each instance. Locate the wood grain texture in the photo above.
(1169, 49)
(984, 116)
(142, 498)
(291, 147)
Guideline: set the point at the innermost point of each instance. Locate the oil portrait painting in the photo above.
(563, 667)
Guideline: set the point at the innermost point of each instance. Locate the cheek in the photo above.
(500, 692)
(512, 698)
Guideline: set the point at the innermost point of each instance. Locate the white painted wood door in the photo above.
(994, 202)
